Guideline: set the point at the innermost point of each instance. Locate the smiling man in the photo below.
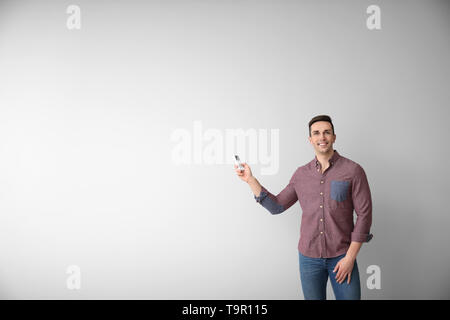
(329, 188)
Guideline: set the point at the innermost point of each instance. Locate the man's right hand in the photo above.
(245, 174)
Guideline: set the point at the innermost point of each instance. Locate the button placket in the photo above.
(322, 207)
(321, 229)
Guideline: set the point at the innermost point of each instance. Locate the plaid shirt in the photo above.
(327, 200)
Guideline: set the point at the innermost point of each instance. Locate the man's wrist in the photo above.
(351, 256)
(251, 179)
(353, 250)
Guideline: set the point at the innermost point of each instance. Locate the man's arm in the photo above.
(255, 186)
(274, 204)
(353, 250)
(362, 203)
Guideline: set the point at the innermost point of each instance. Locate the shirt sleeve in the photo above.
(281, 202)
(362, 203)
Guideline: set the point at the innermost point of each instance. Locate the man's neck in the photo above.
(325, 158)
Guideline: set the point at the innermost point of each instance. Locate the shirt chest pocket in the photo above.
(339, 190)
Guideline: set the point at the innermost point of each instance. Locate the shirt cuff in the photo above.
(261, 196)
(361, 237)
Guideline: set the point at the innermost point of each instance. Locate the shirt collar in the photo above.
(332, 160)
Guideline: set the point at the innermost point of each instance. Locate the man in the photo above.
(328, 188)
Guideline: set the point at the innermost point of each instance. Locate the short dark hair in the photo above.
(322, 117)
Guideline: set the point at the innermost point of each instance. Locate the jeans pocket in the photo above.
(339, 190)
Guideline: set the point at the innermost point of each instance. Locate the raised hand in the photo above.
(245, 174)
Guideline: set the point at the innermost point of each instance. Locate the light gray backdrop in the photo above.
(87, 176)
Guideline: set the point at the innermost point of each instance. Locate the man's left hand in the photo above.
(344, 268)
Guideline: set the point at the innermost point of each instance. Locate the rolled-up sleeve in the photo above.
(362, 203)
(281, 202)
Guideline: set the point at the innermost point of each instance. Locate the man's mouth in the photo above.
(323, 144)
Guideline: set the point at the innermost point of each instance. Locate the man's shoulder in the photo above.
(346, 163)
(304, 168)
(351, 165)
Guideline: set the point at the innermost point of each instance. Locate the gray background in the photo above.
(86, 176)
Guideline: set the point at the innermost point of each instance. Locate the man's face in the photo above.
(322, 137)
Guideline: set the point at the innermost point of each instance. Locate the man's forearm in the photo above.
(254, 185)
(353, 249)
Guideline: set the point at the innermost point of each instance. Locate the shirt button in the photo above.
(321, 219)
(321, 181)
(321, 193)
(321, 206)
(321, 232)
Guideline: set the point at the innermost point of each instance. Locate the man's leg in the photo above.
(344, 290)
(314, 277)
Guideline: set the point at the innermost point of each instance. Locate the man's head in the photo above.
(321, 134)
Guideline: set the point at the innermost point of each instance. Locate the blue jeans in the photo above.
(314, 273)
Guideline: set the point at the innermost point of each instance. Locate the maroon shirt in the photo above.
(327, 201)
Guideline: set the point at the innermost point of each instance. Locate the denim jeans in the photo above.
(314, 273)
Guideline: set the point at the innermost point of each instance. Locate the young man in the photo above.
(328, 188)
